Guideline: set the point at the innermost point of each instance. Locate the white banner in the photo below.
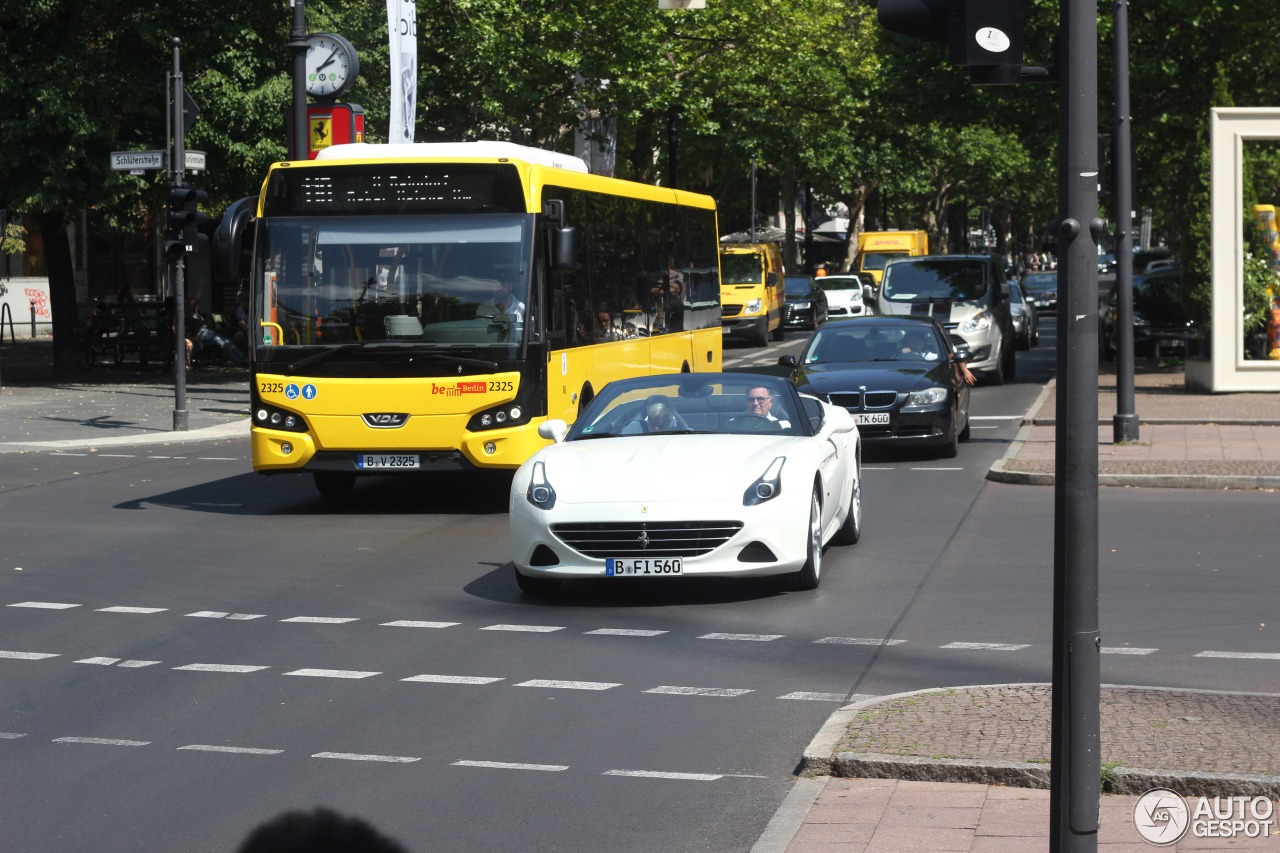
(402, 26)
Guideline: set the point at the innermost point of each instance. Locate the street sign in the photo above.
(190, 111)
(133, 161)
(194, 160)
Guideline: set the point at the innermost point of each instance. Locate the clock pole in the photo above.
(179, 164)
(298, 47)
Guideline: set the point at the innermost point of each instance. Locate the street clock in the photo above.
(332, 66)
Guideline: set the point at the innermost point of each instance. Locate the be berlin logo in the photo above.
(1163, 817)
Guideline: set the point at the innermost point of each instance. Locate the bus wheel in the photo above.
(334, 484)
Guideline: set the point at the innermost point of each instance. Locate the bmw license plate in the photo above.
(644, 566)
(399, 461)
(870, 418)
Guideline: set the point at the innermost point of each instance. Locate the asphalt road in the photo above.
(188, 649)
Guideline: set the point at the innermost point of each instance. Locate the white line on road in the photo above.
(138, 664)
(653, 774)
(210, 614)
(625, 632)
(988, 647)
(860, 641)
(355, 756)
(143, 610)
(322, 620)
(534, 629)
(220, 667)
(698, 691)
(1126, 650)
(332, 673)
(506, 765)
(100, 661)
(12, 735)
(44, 605)
(754, 638)
(453, 679)
(569, 685)
(28, 655)
(240, 750)
(814, 697)
(102, 741)
(217, 459)
(410, 623)
(1239, 655)
(246, 616)
(116, 455)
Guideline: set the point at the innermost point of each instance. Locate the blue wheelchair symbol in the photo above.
(291, 391)
(309, 392)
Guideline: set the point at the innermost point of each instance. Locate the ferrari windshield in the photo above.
(440, 279)
(690, 403)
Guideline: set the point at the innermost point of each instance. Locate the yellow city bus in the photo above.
(424, 307)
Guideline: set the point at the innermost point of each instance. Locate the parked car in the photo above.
(1041, 289)
(899, 377)
(1026, 319)
(965, 293)
(1145, 256)
(847, 295)
(1160, 324)
(806, 303)
(684, 475)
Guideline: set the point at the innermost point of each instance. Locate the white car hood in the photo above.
(655, 468)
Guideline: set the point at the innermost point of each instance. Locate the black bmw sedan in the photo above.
(899, 377)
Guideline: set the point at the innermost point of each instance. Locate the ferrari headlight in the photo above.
(927, 397)
(540, 493)
(978, 322)
(767, 486)
(753, 306)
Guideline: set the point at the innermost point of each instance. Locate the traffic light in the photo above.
(182, 234)
(985, 35)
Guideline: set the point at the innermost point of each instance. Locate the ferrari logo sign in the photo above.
(321, 132)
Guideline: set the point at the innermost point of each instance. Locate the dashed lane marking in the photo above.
(814, 697)
(453, 679)
(508, 765)
(220, 667)
(333, 673)
(412, 623)
(117, 455)
(533, 629)
(137, 664)
(323, 620)
(1126, 650)
(239, 750)
(142, 610)
(751, 638)
(570, 685)
(100, 661)
(356, 756)
(217, 459)
(44, 605)
(12, 735)
(988, 647)
(1239, 655)
(859, 641)
(654, 774)
(672, 690)
(129, 664)
(220, 614)
(102, 741)
(624, 632)
(28, 655)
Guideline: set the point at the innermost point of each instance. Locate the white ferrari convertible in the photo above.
(692, 474)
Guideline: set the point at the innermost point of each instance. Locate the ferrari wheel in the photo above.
(811, 575)
(851, 531)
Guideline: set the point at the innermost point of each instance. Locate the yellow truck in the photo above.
(752, 294)
(877, 248)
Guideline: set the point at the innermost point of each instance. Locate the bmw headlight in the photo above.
(978, 322)
(540, 493)
(753, 306)
(927, 397)
(767, 486)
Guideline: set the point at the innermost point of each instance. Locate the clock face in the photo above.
(332, 65)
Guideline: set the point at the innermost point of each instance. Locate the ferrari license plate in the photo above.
(387, 460)
(644, 566)
(868, 418)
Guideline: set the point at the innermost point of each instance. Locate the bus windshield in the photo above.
(452, 280)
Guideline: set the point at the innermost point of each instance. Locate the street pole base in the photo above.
(179, 420)
(1124, 428)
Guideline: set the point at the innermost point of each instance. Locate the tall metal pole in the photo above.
(1125, 423)
(298, 49)
(1075, 781)
(753, 198)
(179, 161)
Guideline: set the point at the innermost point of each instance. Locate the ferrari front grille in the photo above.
(602, 539)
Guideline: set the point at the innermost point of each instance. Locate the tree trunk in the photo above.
(856, 202)
(789, 217)
(641, 156)
(62, 296)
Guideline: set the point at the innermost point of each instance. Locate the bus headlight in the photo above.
(270, 417)
(507, 415)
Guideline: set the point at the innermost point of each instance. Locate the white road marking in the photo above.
(138, 664)
(220, 667)
(241, 750)
(654, 774)
(995, 417)
(755, 638)
(815, 697)
(246, 616)
(871, 468)
(210, 614)
(937, 468)
(860, 641)
(409, 623)
(102, 740)
(143, 610)
(698, 691)
(1126, 650)
(506, 765)
(990, 647)
(569, 685)
(217, 459)
(28, 655)
(1239, 655)
(625, 632)
(984, 427)
(12, 735)
(535, 629)
(101, 661)
(322, 620)
(44, 605)
(355, 756)
(116, 455)
(453, 679)
(332, 673)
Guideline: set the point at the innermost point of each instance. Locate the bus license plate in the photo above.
(868, 418)
(387, 460)
(644, 566)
